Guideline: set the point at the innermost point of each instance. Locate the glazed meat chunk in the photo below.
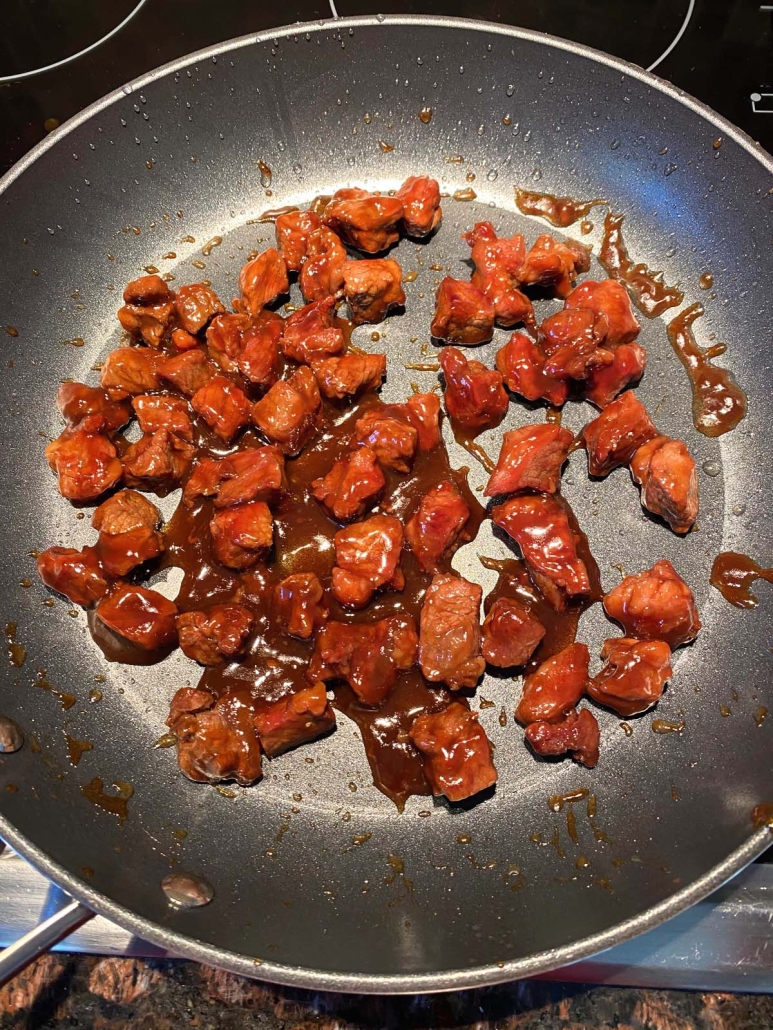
(183, 340)
(372, 289)
(294, 720)
(367, 559)
(196, 305)
(572, 340)
(522, 365)
(143, 617)
(655, 605)
(299, 604)
(530, 459)
(287, 415)
(223, 406)
(157, 461)
(216, 739)
(634, 675)
(128, 532)
(368, 656)
(257, 474)
(436, 528)
(148, 308)
(420, 197)
(390, 435)
(498, 267)
(217, 635)
(474, 394)
(511, 634)
(458, 757)
(577, 734)
(665, 470)
(367, 222)
(553, 265)
(424, 415)
(541, 528)
(225, 339)
(159, 411)
(350, 374)
(608, 298)
(75, 401)
(449, 632)
(131, 370)
(312, 333)
(352, 485)
(241, 535)
(292, 236)
(555, 687)
(186, 372)
(76, 574)
(617, 433)
(260, 358)
(262, 280)
(85, 461)
(322, 274)
(604, 382)
(463, 313)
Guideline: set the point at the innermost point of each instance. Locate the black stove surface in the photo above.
(57, 56)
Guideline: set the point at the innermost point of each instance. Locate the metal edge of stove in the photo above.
(723, 943)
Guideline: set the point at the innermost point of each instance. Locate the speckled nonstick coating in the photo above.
(175, 154)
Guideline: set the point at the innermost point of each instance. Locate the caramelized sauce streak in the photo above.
(476, 450)
(651, 295)
(559, 211)
(718, 402)
(733, 575)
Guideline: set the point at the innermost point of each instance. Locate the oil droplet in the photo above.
(367, 118)
(198, 264)
(360, 838)
(586, 227)
(210, 245)
(760, 715)
(706, 281)
(425, 115)
(503, 717)
(50, 124)
(665, 726)
(225, 792)
(711, 467)
(627, 729)
(717, 143)
(463, 838)
(410, 277)
(151, 269)
(387, 148)
(556, 802)
(582, 862)
(265, 174)
(674, 792)
(95, 696)
(12, 330)
(465, 194)
(375, 337)
(762, 815)
(725, 710)
(25, 583)
(485, 703)
(470, 177)
(170, 256)
(492, 174)
(507, 119)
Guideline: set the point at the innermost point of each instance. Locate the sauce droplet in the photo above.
(665, 726)
(760, 715)
(733, 575)
(425, 115)
(559, 211)
(651, 294)
(706, 281)
(387, 148)
(17, 655)
(466, 194)
(210, 245)
(557, 801)
(265, 174)
(76, 748)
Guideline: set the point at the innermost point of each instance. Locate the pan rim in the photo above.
(184, 946)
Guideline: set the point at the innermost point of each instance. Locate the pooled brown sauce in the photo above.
(76, 748)
(651, 294)
(118, 804)
(559, 211)
(733, 575)
(718, 402)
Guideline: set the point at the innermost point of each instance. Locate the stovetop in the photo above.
(57, 56)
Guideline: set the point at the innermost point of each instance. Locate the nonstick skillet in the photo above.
(317, 880)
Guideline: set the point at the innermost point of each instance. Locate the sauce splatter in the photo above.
(651, 294)
(559, 211)
(468, 193)
(115, 804)
(425, 115)
(210, 245)
(17, 655)
(733, 575)
(556, 802)
(718, 402)
(77, 748)
(665, 726)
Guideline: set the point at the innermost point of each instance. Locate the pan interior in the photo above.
(315, 873)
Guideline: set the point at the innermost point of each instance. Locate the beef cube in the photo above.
(352, 485)
(299, 604)
(148, 309)
(390, 435)
(143, 617)
(368, 222)
(131, 370)
(322, 274)
(257, 474)
(611, 299)
(555, 687)
(665, 470)
(474, 394)
(541, 528)
(75, 401)
(634, 675)
(75, 574)
(577, 734)
(157, 461)
(458, 757)
(436, 528)
(241, 535)
(498, 266)
(287, 415)
(463, 313)
(424, 414)
(196, 305)
(292, 236)
(367, 559)
(449, 634)
(262, 280)
(294, 720)
(522, 365)
(511, 634)
(572, 340)
(85, 460)
(617, 433)
(186, 372)
(605, 382)
(553, 265)
(216, 635)
(159, 411)
(128, 532)
(350, 374)
(183, 340)
(655, 605)
(223, 406)
(204, 481)
(372, 289)
(260, 359)
(216, 739)
(312, 333)
(420, 197)
(530, 459)
(225, 339)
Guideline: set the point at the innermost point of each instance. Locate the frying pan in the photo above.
(317, 880)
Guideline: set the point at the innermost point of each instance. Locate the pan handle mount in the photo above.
(40, 939)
